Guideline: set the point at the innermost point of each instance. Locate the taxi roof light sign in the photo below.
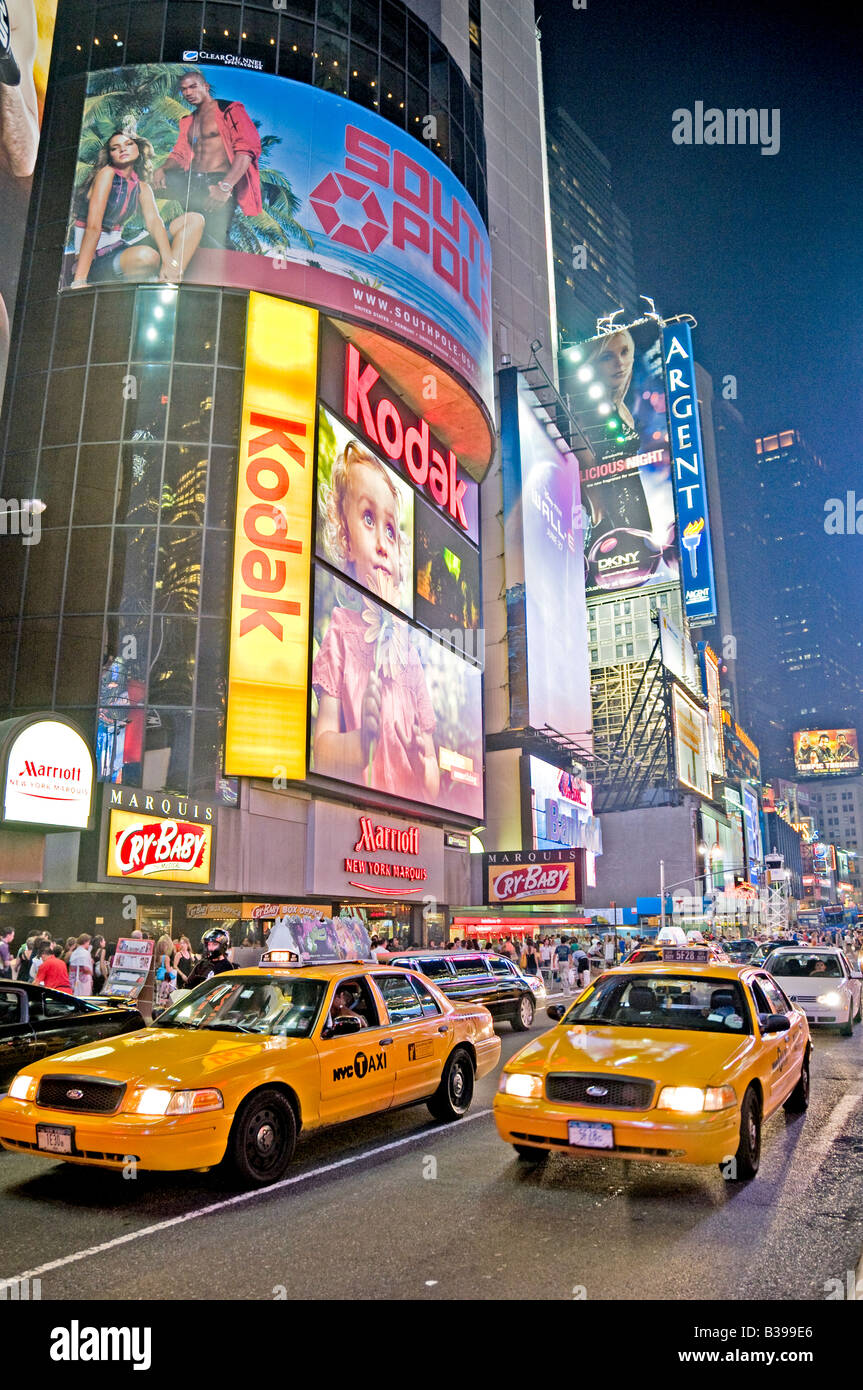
(687, 955)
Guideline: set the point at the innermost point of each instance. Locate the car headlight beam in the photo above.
(693, 1100)
(833, 1000)
(23, 1087)
(158, 1100)
(519, 1083)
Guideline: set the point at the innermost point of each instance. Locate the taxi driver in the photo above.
(344, 1000)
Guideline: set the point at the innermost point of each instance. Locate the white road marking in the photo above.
(236, 1201)
(839, 1114)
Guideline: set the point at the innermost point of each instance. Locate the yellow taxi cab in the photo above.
(233, 1071)
(676, 1061)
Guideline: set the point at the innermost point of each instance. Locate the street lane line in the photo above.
(237, 1200)
(838, 1115)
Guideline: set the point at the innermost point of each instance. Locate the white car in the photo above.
(821, 981)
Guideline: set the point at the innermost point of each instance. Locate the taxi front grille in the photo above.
(79, 1093)
(604, 1092)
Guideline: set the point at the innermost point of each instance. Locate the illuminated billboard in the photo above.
(690, 483)
(690, 742)
(392, 710)
(365, 515)
(709, 663)
(751, 827)
(26, 38)
(268, 664)
(223, 176)
(825, 752)
(549, 675)
(617, 387)
(448, 588)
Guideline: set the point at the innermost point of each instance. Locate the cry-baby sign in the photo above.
(690, 484)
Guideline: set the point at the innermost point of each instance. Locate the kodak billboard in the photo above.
(266, 731)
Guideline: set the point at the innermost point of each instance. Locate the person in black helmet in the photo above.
(214, 961)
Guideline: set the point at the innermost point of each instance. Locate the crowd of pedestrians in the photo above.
(81, 965)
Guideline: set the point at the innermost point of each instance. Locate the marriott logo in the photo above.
(385, 837)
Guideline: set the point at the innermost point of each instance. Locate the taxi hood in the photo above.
(673, 1057)
(171, 1057)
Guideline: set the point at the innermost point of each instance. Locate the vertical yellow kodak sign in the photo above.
(268, 670)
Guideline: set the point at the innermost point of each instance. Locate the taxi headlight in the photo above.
(833, 1000)
(689, 1100)
(23, 1087)
(519, 1083)
(154, 1100)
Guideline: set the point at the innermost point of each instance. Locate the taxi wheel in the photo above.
(522, 1020)
(453, 1096)
(262, 1140)
(748, 1154)
(798, 1101)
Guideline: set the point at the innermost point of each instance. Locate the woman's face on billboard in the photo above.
(614, 365)
(122, 151)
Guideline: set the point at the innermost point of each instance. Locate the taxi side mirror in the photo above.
(342, 1026)
(556, 1011)
(774, 1023)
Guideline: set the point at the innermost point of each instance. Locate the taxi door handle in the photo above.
(444, 1028)
(386, 1042)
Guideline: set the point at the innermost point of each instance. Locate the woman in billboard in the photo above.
(116, 193)
(375, 720)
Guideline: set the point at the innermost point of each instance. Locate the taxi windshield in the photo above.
(689, 1003)
(803, 964)
(279, 1006)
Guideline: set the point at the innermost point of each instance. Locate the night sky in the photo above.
(764, 250)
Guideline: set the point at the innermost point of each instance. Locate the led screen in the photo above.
(392, 709)
(365, 514)
(447, 575)
(239, 178)
(823, 752)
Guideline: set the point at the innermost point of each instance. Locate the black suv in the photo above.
(477, 977)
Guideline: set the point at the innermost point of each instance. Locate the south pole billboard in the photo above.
(690, 483)
(307, 196)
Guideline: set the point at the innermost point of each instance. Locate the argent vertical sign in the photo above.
(690, 485)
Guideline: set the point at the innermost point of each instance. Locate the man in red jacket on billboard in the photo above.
(213, 167)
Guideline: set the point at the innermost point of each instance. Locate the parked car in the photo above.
(36, 1022)
(481, 977)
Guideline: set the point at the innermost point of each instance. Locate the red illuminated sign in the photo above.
(410, 446)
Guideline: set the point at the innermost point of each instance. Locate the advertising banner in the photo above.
(690, 742)
(690, 484)
(26, 39)
(47, 773)
(537, 876)
(617, 388)
(268, 666)
(742, 757)
(130, 967)
(561, 809)
(752, 828)
(392, 710)
(825, 752)
(677, 654)
(222, 176)
(155, 837)
(709, 663)
(365, 515)
(352, 855)
(549, 675)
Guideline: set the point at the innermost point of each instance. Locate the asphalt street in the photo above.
(401, 1207)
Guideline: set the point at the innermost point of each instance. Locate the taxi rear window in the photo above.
(675, 1002)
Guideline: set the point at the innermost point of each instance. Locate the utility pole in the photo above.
(662, 895)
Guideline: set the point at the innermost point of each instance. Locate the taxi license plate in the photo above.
(587, 1136)
(55, 1139)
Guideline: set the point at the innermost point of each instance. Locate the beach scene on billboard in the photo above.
(391, 709)
(617, 387)
(447, 594)
(365, 515)
(26, 38)
(207, 175)
(820, 752)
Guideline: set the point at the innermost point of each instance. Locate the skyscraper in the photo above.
(592, 243)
